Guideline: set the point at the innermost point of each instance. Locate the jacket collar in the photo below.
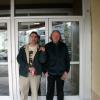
(27, 51)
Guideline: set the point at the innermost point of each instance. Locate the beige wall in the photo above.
(95, 13)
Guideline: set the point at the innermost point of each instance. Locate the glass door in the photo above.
(70, 29)
(5, 61)
(23, 28)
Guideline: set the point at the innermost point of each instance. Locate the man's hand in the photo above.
(42, 49)
(64, 76)
(32, 70)
(46, 74)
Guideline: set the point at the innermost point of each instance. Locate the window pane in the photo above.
(3, 43)
(4, 85)
(71, 85)
(70, 35)
(25, 28)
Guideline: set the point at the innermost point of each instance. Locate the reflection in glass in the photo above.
(4, 85)
(3, 42)
(70, 35)
(25, 28)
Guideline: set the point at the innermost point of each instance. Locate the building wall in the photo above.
(95, 13)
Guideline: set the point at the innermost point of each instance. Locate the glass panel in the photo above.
(4, 85)
(5, 8)
(70, 35)
(43, 85)
(71, 85)
(25, 28)
(3, 43)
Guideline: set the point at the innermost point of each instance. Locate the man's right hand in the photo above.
(64, 76)
(46, 74)
(32, 70)
(42, 49)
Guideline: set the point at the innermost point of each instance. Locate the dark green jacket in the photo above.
(38, 62)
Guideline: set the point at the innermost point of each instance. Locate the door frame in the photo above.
(81, 43)
(9, 63)
(16, 31)
(85, 55)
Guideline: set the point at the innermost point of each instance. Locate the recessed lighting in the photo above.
(36, 23)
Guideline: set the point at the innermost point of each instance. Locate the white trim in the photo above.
(55, 98)
(84, 43)
(3, 63)
(4, 18)
(5, 98)
(16, 33)
(13, 45)
(9, 61)
(82, 61)
(17, 69)
(10, 97)
(74, 62)
(50, 17)
(88, 49)
(82, 46)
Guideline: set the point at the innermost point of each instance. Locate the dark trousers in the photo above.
(51, 87)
